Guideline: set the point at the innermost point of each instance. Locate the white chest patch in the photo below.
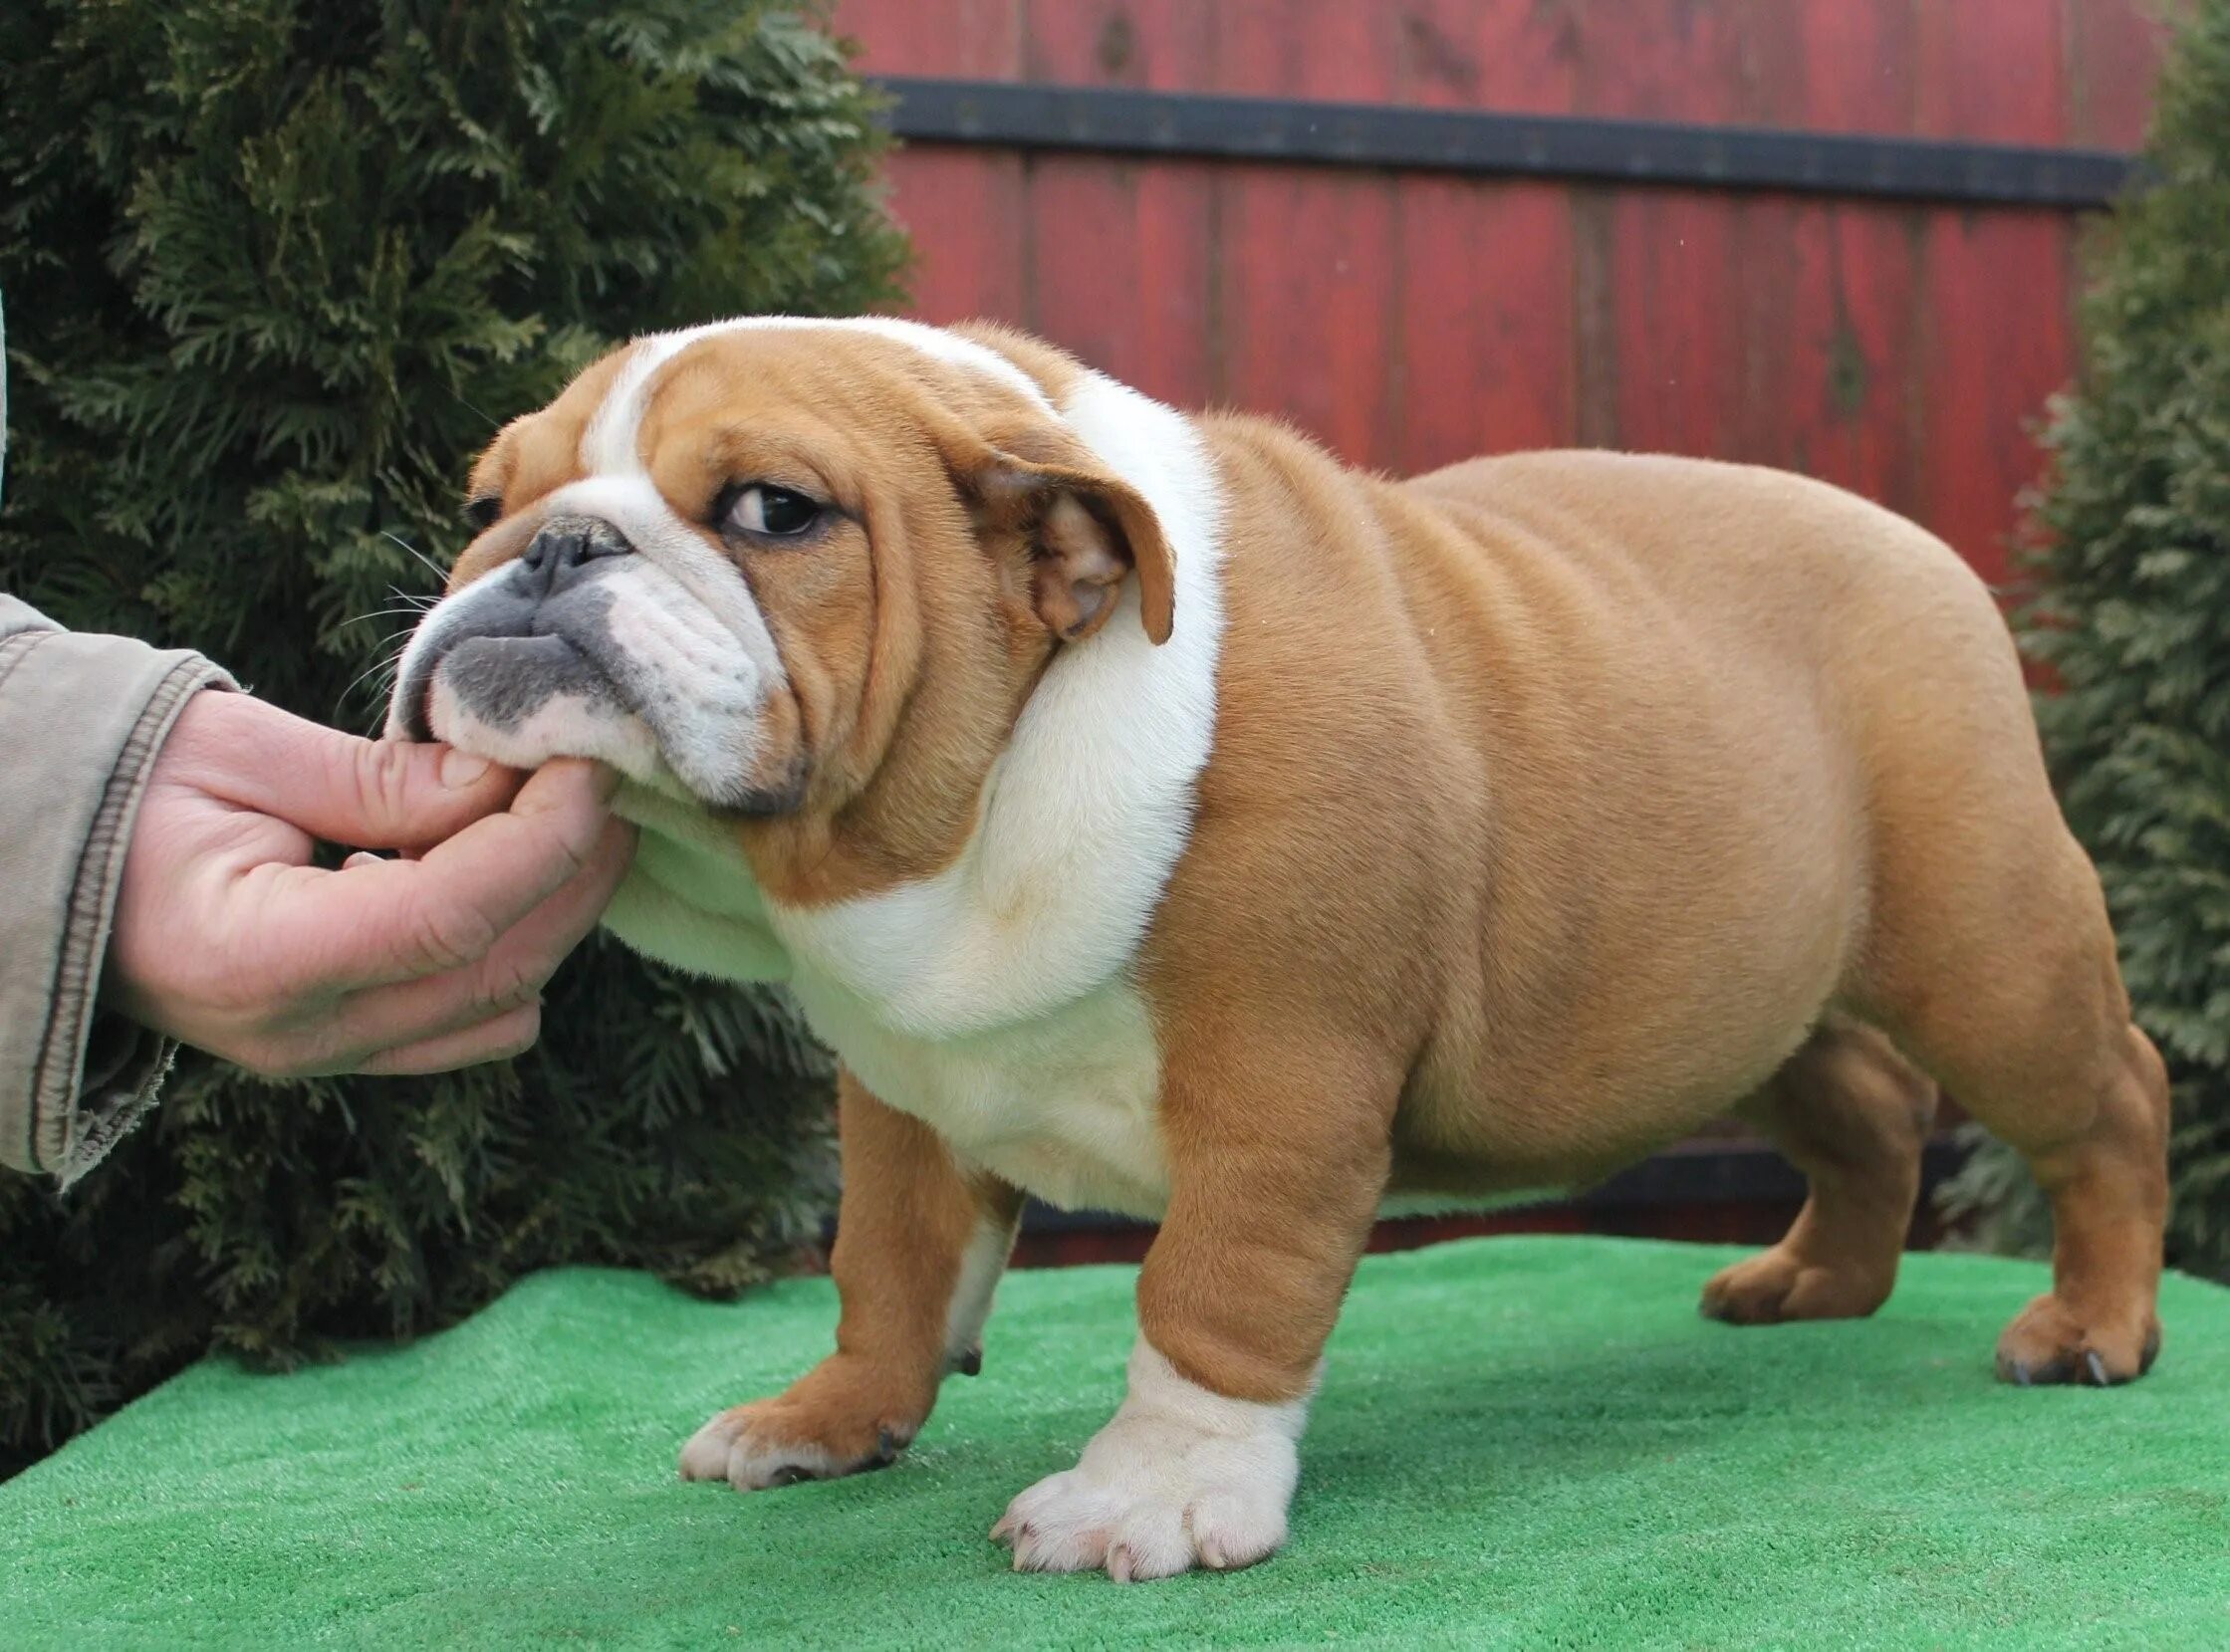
(995, 999)
(691, 899)
(1061, 1104)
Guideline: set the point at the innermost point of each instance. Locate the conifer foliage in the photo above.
(274, 270)
(2132, 615)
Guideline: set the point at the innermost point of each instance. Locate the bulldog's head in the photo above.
(765, 566)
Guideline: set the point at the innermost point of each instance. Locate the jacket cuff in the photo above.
(80, 720)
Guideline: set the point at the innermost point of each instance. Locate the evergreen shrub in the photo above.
(2132, 614)
(274, 270)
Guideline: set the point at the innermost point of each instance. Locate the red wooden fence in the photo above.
(1900, 350)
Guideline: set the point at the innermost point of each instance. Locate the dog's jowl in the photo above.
(1155, 816)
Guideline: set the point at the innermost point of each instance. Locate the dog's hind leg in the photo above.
(1853, 1114)
(2015, 1003)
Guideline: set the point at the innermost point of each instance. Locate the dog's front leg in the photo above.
(920, 1245)
(1274, 1185)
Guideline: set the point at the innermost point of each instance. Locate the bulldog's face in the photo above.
(756, 566)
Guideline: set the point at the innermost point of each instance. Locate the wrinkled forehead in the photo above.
(865, 373)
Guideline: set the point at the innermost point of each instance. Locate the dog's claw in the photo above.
(1004, 1532)
(2098, 1369)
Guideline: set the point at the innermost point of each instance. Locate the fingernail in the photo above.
(608, 781)
(461, 769)
(363, 857)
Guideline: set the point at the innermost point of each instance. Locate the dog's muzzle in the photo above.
(519, 639)
(617, 634)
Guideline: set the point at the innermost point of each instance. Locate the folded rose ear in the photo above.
(1083, 532)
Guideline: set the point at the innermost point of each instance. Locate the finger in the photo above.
(368, 793)
(400, 920)
(496, 1040)
(513, 973)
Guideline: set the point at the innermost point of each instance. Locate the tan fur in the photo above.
(909, 1215)
(1642, 766)
(1852, 1115)
(1557, 803)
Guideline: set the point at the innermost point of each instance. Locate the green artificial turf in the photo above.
(1520, 1442)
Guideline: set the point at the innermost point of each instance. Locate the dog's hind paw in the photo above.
(1776, 1286)
(2046, 1344)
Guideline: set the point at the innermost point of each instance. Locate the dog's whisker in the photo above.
(433, 567)
(382, 670)
(493, 424)
(376, 613)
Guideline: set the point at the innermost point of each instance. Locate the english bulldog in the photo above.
(1155, 814)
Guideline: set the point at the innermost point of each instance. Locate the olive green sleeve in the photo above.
(80, 720)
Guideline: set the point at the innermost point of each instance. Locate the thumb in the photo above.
(366, 793)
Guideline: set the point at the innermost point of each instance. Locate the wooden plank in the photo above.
(1158, 45)
(1303, 49)
(1842, 346)
(979, 38)
(1675, 294)
(2113, 51)
(1304, 292)
(962, 207)
(1118, 261)
(1997, 339)
(1989, 70)
(1488, 360)
(1855, 372)
(1845, 68)
(1668, 260)
(964, 211)
(1120, 252)
(1305, 317)
(1489, 357)
(1994, 287)
(1514, 56)
(1662, 60)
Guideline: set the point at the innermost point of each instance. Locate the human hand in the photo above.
(227, 938)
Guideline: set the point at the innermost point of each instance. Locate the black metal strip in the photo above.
(1117, 121)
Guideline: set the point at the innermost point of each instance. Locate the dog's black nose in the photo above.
(560, 553)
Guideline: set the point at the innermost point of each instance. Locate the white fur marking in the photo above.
(641, 513)
(1064, 1103)
(1087, 811)
(1179, 1477)
(610, 444)
(990, 1000)
(982, 1264)
(570, 723)
(690, 899)
(726, 1448)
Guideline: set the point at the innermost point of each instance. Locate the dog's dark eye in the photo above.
(482, 513)
(768, 512)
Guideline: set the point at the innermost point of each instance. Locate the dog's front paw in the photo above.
(827, 1425)
(1179, 1478)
